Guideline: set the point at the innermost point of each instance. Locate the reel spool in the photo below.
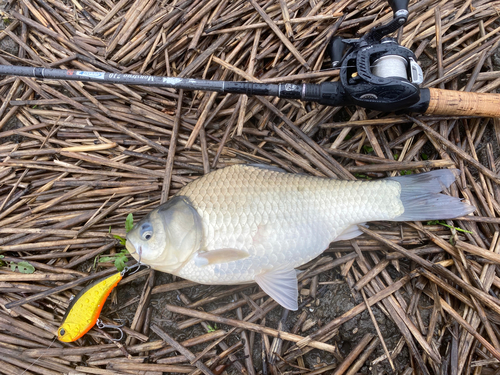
(390, 66)
(396, 66)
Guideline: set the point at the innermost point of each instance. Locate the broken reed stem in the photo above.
(77, 158)
(249, 326)
(380, 337)
(180, 349)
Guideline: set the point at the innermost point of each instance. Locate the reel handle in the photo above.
(336, 48)
(398, 5)
(457, 103)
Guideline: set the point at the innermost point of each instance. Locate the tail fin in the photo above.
(421, 198)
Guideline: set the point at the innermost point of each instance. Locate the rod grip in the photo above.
(459, 103)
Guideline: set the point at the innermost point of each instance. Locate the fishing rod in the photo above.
(375, 73)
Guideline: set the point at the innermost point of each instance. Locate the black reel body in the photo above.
(376, 72)
(383, 76)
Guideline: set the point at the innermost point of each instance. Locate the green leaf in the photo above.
(424, 156)
(406, 172)
(129, 222)
(367, 149)
(210, 328)
(457, 229)
(106, 259)
(118, 259)
(359, 175)
(439, 222)
(396, 156)
(122, 240)
(120, 263)
(25, 267)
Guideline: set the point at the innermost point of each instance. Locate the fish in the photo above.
(85, 308)
(252, 223)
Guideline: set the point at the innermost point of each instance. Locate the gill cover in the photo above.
(183, 229)
(168, 235)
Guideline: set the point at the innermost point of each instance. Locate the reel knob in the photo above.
(336, 49)
(400, 9)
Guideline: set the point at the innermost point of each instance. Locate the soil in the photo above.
(337, 300)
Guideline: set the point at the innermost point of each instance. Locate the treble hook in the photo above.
(132, 269)
(100, 324)
(136, 266)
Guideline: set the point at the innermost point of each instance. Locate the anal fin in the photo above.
(281, 285)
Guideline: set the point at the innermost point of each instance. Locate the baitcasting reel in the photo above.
(376, 72)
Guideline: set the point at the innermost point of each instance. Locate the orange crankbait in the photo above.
(85, 308)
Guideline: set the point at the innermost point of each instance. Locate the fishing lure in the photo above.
(84, 310)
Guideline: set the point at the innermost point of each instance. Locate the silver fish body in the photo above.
(280, 219)
(244, 223)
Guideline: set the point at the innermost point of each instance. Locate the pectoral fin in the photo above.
(281, 285)
(219, 256)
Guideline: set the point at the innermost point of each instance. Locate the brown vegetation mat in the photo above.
(76, 158)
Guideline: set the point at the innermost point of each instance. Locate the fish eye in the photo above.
(62, 332)
(146, 236)
(146, 232)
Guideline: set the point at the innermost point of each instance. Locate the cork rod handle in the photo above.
(458, 103)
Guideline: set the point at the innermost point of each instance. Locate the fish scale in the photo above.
(301, 215)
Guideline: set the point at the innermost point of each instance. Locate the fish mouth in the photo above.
(130, 247)
(132, 250)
